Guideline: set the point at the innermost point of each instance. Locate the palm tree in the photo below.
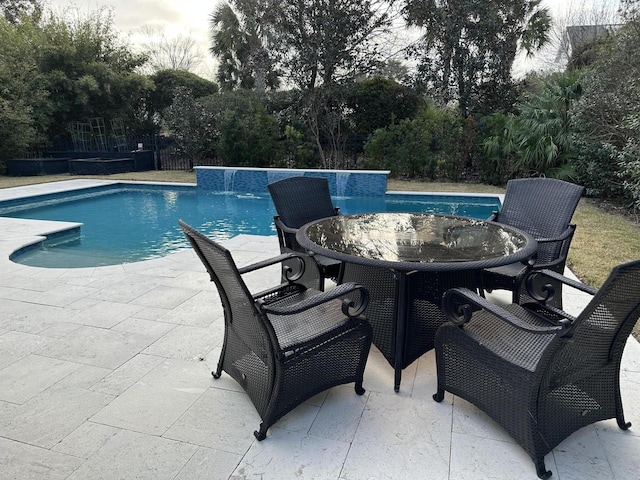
(238, 41)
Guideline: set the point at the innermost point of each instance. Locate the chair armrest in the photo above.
(289, 272)
(269, 261)
(459, 303)
(541, 292)
(560, 238)
(564, 240)
(349, 307)
(283, 227)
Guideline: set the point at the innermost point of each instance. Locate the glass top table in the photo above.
(407, 261)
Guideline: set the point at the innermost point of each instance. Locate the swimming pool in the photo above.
(129, 222)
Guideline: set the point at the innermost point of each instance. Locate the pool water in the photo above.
(123, 224)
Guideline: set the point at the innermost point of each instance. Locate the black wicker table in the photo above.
(407, 261)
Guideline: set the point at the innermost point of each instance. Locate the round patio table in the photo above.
(407, 261)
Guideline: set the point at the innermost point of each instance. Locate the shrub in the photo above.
(249, 139)
(428, 145)
(494, 160)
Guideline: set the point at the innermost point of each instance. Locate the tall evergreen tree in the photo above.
(240, 30)
(468, 48)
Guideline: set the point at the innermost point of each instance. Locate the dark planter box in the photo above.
(23, 167)
(143, 160)
(100, 166)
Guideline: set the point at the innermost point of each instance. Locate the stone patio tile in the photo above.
(197, 280)
(165, 297)
(102, 314)
(480, 457)
(31, 375)
(30, 318)
(28, 283)
(339, 414)
(85, 377)
(136, 455)
(399, 438)
(25, 462)
(52, 415)
(15, 345)
(186, 343)
(60, 329)
(220, 419)
(125, 290)
(622, 450)
(127, 374)
(86, 440)
(152, 313)
(209, 464)
(426, 379)
(60, 296)
(144, 327)
(158, 399)
(293, 455)
(201, 310)
(581, 456)
(98, 347)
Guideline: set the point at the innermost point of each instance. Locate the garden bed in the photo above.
(23, 167)
(100, 166)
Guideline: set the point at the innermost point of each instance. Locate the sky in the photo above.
(191, 17)
(185, 17)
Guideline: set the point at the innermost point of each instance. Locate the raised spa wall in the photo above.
(342, 183)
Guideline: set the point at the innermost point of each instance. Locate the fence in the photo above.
(166, 156)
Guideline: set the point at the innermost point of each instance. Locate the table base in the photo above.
(405, 308)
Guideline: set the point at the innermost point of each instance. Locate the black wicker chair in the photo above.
(539, 372)
(298, 201)
(288, 343)
(542, 207)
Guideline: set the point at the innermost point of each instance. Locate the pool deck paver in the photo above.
(105, 374)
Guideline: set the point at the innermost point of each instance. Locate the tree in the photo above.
(167, 83)
(239, 31)
(378, 102)
(193, 126)
(469, 46)
(23, 106)
(88, 71)
(13, 10)
(606, 116)
(321, 45)
(325, 43)
(180, 52)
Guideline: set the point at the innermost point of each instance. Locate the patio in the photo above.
(105, 374)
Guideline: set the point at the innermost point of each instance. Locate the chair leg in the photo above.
(541, 470)
(262, 434)
(359, 389)
(624, 425)
(218, 370)
(439, 395)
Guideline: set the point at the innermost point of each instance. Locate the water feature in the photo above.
(342, 180)
(229, 177)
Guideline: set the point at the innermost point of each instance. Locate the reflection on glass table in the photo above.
(407, 261)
